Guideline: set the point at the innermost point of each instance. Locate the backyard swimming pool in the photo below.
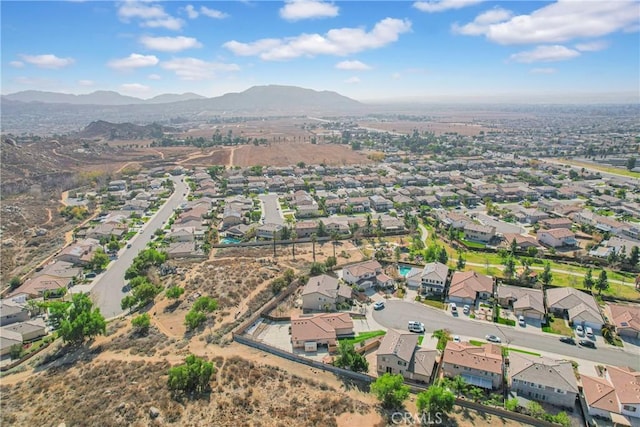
(404, 270)
(229, 241)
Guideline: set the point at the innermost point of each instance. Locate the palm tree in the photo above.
(335, 236)
(459, 385)
(314, 239)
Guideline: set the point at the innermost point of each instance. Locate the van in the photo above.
(416, 326)
(589, 332)
(454, 308)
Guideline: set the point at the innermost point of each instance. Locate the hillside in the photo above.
(41, 116)
(101, 97)
(127, 131)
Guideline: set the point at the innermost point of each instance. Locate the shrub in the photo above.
(141, 323)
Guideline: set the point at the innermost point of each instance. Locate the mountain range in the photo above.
(44, 113)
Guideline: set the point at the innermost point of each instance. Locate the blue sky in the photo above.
(367, 50)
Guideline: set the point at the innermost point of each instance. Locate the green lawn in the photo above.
(603, 168)
(433, 303)
(476, 343)
(363, 336)
(518, 350)
(558, 326)
(420, 339)
(470, 244)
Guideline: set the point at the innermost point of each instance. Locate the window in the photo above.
(629, 408)
(384, 359)
(561, 391)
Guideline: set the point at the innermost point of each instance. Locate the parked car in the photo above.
(379, 305)
(466, 309)
(128, 245)
(568, 340)
(587, 343)
(415, 326)
(493, 338)
(580, 330)
(521, 321)
(589, 332)
(454, 308)
(456, 339)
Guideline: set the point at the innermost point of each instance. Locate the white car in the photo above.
(580, 330)
(456, 339)
(416, 326)
(454, 308)
(466, 309)
(379, 305)
(493, 338)
(521, 321)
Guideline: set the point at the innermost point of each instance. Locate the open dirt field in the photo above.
(271, 129)
(437, 127)
(285, 154)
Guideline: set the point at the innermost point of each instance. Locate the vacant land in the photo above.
(290, 153)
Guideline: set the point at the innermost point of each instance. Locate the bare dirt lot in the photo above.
(285, 154)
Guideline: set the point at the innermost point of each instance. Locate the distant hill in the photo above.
(107, 130)
(49, 112)
(101, 97)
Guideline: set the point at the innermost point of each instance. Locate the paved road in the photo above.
(271, 209)
(397, 313)
(107, 291)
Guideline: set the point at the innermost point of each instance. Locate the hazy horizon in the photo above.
(369, 51)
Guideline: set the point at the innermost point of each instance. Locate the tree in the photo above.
(509, 267)
(99, 261)
(113, 245)
(511, 404)
(128, 302)
(192, 377)
(631, 163)
(318, 268)
(193, 319)
(15, 282)
(16, 351)
(546, 277)
(145, 293)
(442, 256)
(535, 409)
(205, 304)
(174, 292)
(459, 385)
(81, 321)
(335, 236)
(348, 358)
(435, 399)
(513, 247)
(588, 279)
(331, 262)
(562, 418)
(314, 239)
(603, 283)
(634, 256)
(390, 390)
(141, 324)
(461, 262)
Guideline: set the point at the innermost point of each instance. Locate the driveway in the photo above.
(397, 313)
(271, 209)
(109, 287)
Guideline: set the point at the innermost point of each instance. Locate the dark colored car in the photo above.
(587, 343)
(568, 340)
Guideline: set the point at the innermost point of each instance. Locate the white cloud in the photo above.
(352, 65)
(192, 13)
(154, 77)
(196, 69)
(542, 70)
(134, 88)
(170, 44)
(295, 10)
(151, 15)
(442, 5)
(170, 23)
(47, 61)
(593, 46)
(86, 82)
(396, 76)
(353, 80)
(483, 21)
(340, 42)
(142, 10)
(16, 64)
(559, 22)
(135, 60)
(213, 13)
(545, 54)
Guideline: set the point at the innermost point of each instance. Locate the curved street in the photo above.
(108, 288)
(397, 314)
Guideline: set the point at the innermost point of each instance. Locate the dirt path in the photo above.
(230, 164)
(160, 153)
(63, 198)
(49, 217)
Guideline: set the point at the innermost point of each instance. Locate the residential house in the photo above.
(306, 228)
(542, 379)
(433, 279)
(308, 211)
(184, 250)
(28, 330)
(106, 230)
(54, 276)
(269, 231)
(469, 286)
(324, 292)
(613, 396)
(552, 223)
(231, 216)
(523, 242)
(625, 318)
(579, 307)
(12, 311)
(480, 366)
(7, 340)
(238, 231)
(312, 331)
(557, 237)
(362, 274)
(525, 302)
(478, 232)
(80, 252)
(454, 219)
(380, 204)
(399, 354)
